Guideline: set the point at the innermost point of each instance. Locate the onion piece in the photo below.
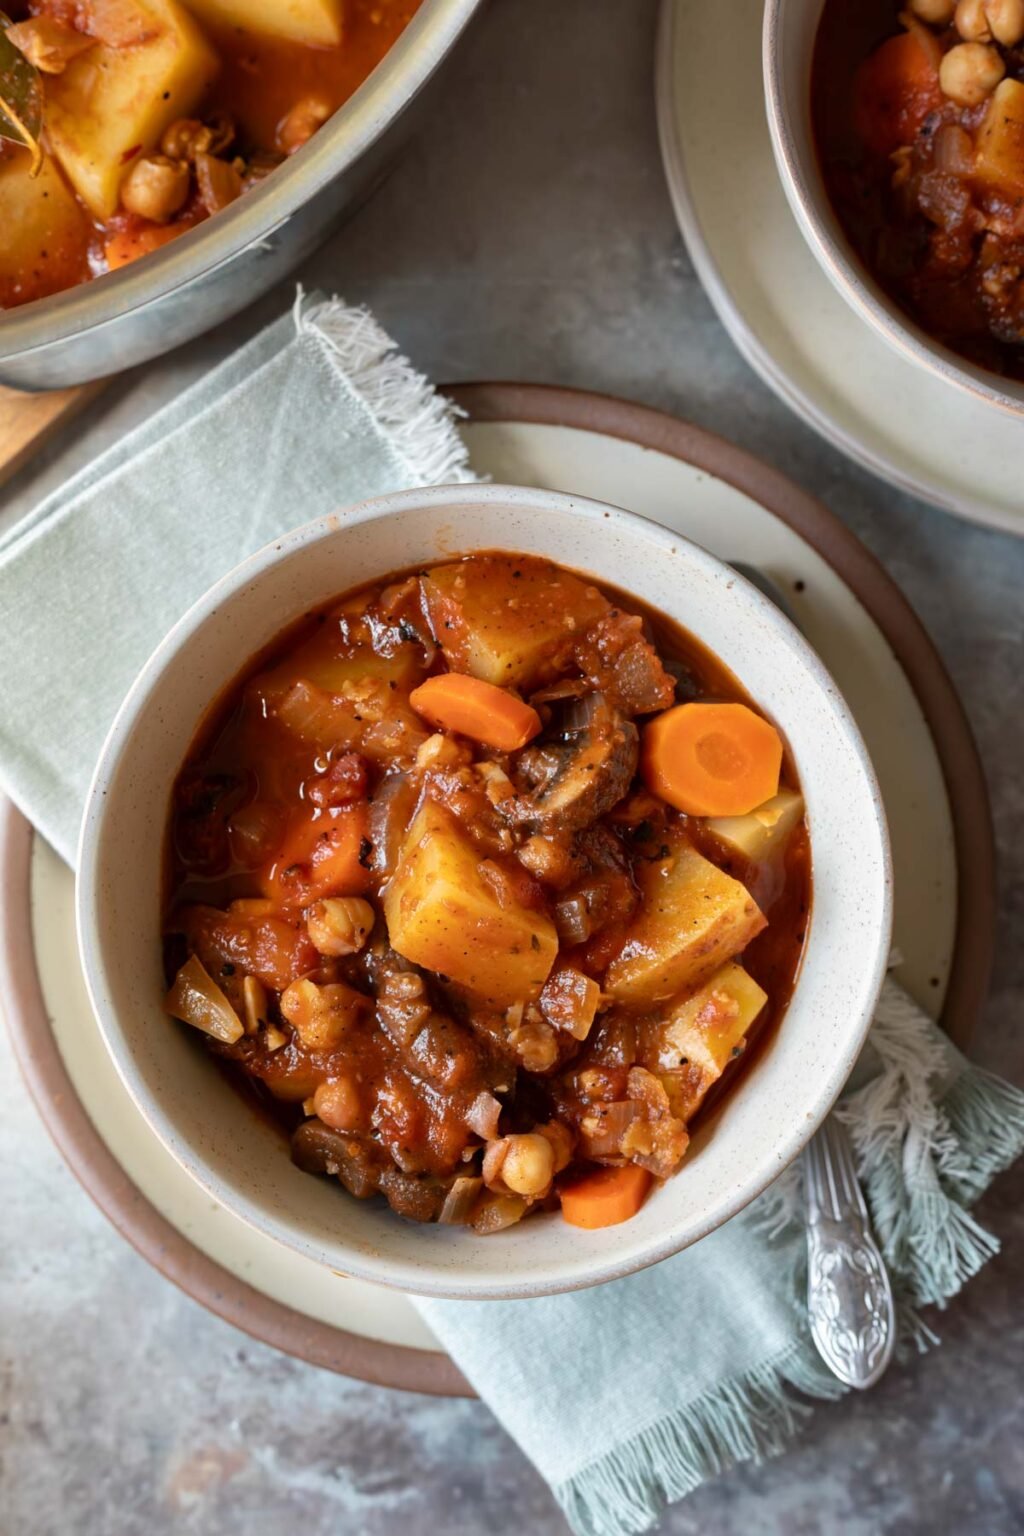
(494, 1156)
(218, 181)
(604, 1127)
(391, 811)
(459, 1201)
(483, 1115)
(498, 1212)
(573, 920)
(568, 688)
(196, 999)
(954, 150)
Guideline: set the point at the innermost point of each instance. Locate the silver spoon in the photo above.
(849, 1294)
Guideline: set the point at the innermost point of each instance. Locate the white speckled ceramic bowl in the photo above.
(242, 1161)
(790, 28)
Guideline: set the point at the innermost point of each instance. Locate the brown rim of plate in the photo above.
(430, 1371)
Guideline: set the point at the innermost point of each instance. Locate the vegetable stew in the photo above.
(485, 878)
(138, 119)
(919, 119)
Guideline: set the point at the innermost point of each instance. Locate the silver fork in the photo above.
(849, 1294)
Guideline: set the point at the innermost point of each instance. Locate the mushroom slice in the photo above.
(593, 759)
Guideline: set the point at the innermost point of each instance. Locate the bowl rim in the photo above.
(411, 1275)
(808, 198)
(359, 122)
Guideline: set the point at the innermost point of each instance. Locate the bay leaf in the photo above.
(21, 97)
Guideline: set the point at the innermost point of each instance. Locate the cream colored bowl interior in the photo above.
(242, 1161)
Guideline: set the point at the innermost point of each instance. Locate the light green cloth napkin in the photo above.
(629, 1395)
(314, 413)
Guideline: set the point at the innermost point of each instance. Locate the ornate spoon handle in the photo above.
(849, 1297)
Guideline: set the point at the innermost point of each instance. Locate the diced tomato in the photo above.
(272, 949)
(893, 92)
(326, 853)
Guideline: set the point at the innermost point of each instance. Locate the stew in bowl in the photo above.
(486, 878)
(401, 1054)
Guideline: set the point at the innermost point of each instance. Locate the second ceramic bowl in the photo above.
(790, 29)
(240, 1159)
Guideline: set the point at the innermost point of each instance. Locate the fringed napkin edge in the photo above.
(930, 1132)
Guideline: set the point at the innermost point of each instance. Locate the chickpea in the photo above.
(970, 72)
(298, 125)
(338, 1104)
(340, 925)
(937, 13)
(181, 138)
(549, 860)
(187, 137)
(529, 1164)
(1006, 20)
(562, 1142)
(155, 188)
(321, 1016)
(972, 22)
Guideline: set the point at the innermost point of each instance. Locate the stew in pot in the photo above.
(128, 122)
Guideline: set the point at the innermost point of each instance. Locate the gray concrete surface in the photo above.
(528, 235)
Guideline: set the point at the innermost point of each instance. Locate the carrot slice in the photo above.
(324, 854)
(605, 1197)
(893, 92)
(480, 710)
(712, 759)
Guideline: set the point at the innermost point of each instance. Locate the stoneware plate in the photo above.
(906, 708)
(921, 432)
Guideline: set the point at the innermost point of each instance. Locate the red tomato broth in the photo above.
(261, 78)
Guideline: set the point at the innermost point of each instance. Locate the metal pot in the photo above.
(206, 276)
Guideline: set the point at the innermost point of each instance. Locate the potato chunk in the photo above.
(707, 1027)
(693, 918)
(1000, 144)
(338, 674)
(318, 22)
(442, 913)
(111, 105)
(507, 620)
(761, 832)
(44, 233)
(702, 1034)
